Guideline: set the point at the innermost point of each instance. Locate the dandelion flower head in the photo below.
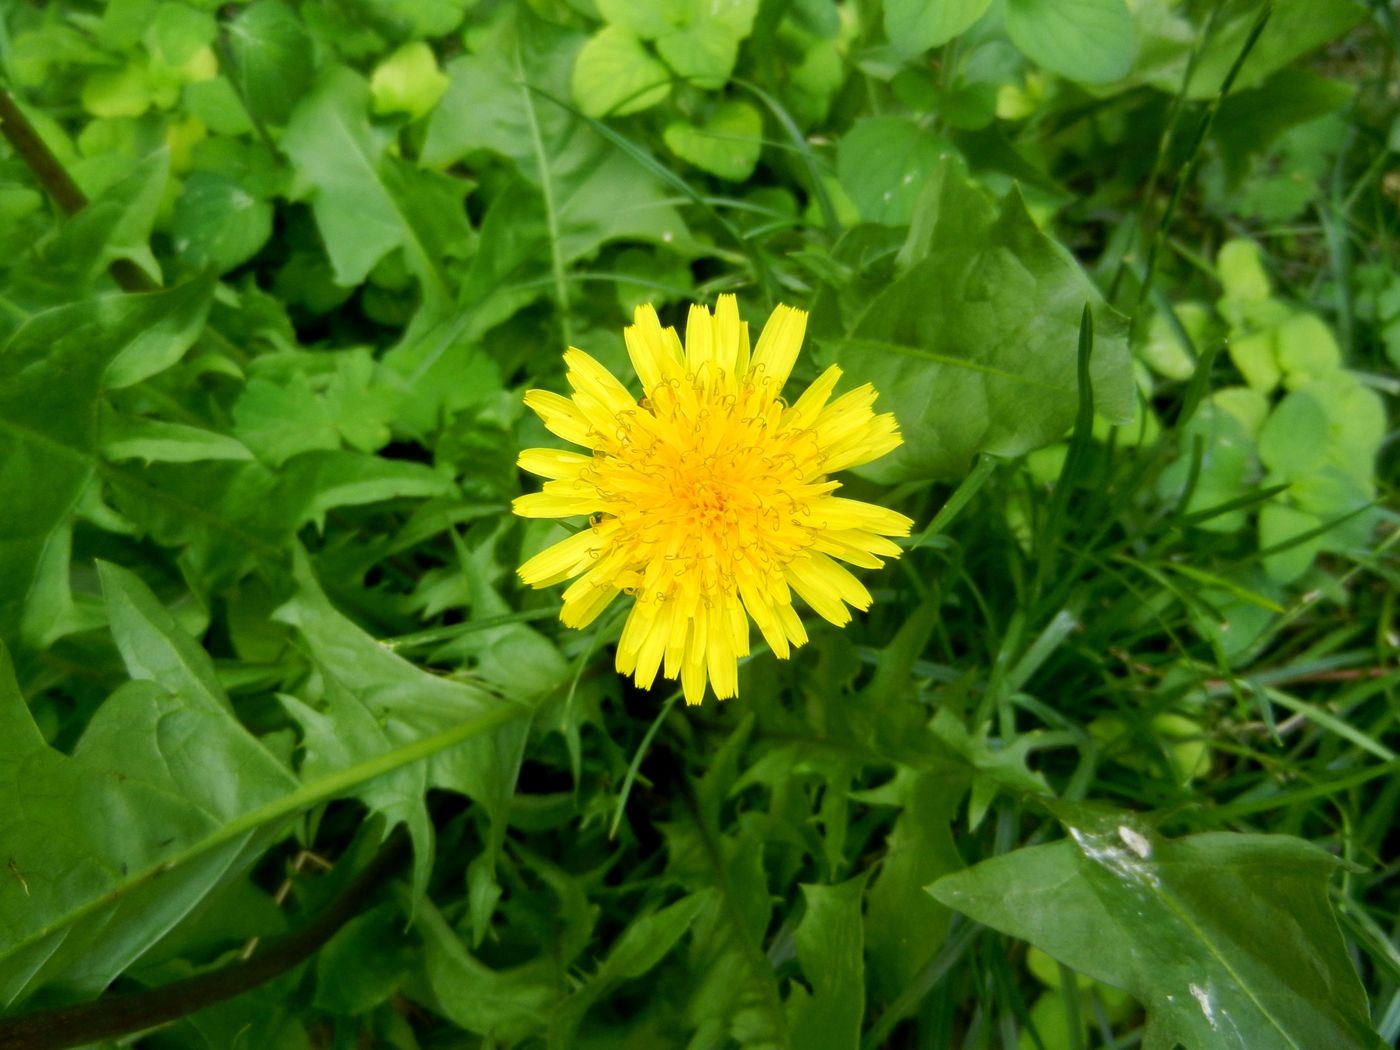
(709, 498)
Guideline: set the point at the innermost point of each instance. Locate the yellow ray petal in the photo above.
(778, 345)
(552, 462)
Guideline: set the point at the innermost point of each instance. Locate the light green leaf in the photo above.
(615, 75)
(727, 144)
(1293, 440)
(1306, 349)
(914, 26)
(407, 81)
(1228, 940)
(1089, 41)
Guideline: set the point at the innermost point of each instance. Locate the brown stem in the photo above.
(59, 185)
(118, 1015)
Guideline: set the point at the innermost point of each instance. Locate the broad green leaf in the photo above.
(218, 223)
(153, 646)
(165, 800)
(614, 75)
(1306, 349)
(491, 101)
(52, 373)
(648, 21)
(974, 344)
(357, 193)
(1229, 940)
(917, 25)
(1089, 41)
(831, 949)
(885, 163)
(157, 775)
(727, 144)
(1293, 441)
(271, 54)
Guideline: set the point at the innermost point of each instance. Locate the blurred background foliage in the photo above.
(1110, 763)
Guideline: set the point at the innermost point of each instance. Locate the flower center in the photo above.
(707, 489)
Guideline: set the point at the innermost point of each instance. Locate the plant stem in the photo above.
(59, 185)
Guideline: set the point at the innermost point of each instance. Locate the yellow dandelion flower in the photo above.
(709, 499)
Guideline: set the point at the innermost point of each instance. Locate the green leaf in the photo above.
(364, 963)
(831, 949)
(116, 224)
(1293, 441)
(615, 75)
(217, 223)
(904, 927)
(279, 421)
(153, 646)
(727, 144)
(916, 25)
(155, 776)
(1295, 27)
(128, 437)
(974, 344)
(1228, 940)
(316, 482)
(121, 92)
(164, 801)
(489, 104)
(52, 373)
(650, 938)
(374, 699)
(407, 81)
(885, 163)
(1089, 41)
(270, 52)
(1280, 524)
(506, 1006)
(360, 197)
